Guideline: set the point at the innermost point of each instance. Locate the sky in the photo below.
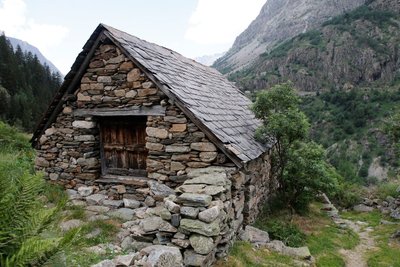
(191, 27)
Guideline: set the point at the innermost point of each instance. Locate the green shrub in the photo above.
(387, 189)
(347, 195)
(288, 233)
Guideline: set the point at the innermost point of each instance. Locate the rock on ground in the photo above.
(162, 256)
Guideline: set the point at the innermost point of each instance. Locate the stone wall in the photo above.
(192, 189)
(69, 151)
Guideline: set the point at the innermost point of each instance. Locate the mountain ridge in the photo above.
(278, 21)
(27, 47)
(354, 49)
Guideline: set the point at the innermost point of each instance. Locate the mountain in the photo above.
(26, 47)
(208, 60)
(278, 21)
(348, 70)
(354, 49)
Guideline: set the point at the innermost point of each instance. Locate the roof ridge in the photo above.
(110, 29)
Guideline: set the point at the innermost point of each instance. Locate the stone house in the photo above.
(136, 122)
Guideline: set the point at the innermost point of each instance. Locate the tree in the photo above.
(299, 165)
(4, 100)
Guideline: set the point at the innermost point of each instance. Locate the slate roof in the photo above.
(214, 101)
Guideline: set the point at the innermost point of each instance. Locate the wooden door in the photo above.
(123, 141)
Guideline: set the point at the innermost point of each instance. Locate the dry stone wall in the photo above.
(193, 197)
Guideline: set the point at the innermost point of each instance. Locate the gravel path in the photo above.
(356, 257)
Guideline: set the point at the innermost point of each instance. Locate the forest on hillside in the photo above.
(26, 86)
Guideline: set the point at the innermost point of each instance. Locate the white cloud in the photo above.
(15, 22)
(220, 21)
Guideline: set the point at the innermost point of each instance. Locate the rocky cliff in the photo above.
(278, 21)
(355, 49)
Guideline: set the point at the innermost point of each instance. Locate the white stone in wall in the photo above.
(156, 132)
(203, 146)
(84, 124)
(177, 149)
(84, 138)
(82, 97)
(50, 131)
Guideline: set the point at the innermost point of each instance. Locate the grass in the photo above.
(320, 234)
(324, 238)
(373, 218)
(387, 252)
(242, 254)
(77, 254)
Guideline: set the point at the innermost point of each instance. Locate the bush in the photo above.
(347, 195)
(299, 165)
(387, 189)
(288, 233)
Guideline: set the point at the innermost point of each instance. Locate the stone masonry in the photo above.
(194, 196)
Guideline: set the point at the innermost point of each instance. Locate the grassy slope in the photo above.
(15, 150)
(324, 240)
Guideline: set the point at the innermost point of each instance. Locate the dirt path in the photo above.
(356, 257)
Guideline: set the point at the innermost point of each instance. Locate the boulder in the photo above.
(208, 156)
(162, 256)
(171, 206)
(84, 124)
(95, 199)
(218, 178)
(194, 200)
(177, 149)
(199, 227)
(302, 253)
(155, 223)
(160, 191)
(123, 213)
(190, 212)
(209, 215)
(208, 170)
(193, 259)
(126, 260)
(85, 191)
(113, 203)
(131, 203)
(203, 147)
(157, 132)
(254, 235)
(97, 209)
(201, 244)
